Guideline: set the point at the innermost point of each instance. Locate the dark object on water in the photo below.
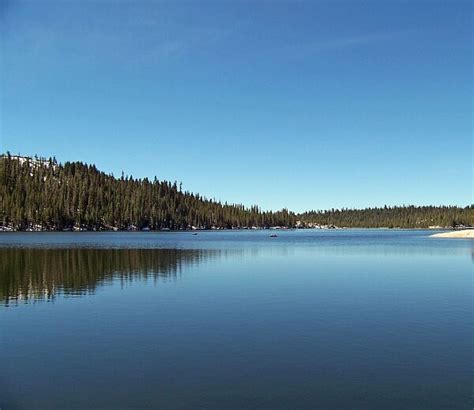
(195, 233)
(273, 235)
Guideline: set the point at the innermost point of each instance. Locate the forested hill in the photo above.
(393, 217)
(44, 194)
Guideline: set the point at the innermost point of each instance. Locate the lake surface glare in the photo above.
(359, 319)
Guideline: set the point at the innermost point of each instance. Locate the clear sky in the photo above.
(307, 105)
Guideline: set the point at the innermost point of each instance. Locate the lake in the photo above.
(360, 319)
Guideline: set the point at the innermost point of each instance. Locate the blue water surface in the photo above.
(360, 319)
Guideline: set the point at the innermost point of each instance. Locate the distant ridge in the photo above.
(43, 194)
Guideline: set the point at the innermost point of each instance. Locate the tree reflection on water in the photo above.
(35, 274)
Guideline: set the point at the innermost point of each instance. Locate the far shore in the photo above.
(465, 233)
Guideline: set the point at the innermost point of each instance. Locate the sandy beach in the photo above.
(465, 233)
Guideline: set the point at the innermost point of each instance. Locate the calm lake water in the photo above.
(366, 319)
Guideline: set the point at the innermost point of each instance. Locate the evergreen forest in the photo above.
(43, 194)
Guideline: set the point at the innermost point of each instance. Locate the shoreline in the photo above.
(447, 232)
(464, 233)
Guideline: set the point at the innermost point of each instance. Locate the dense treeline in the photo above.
(44, 194)
(58, 196)
(393, 217)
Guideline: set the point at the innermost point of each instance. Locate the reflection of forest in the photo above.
(35, 274)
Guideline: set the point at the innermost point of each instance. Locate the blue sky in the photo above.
(305, 105)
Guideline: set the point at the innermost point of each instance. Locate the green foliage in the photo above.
(393, 217)
(55, 196)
